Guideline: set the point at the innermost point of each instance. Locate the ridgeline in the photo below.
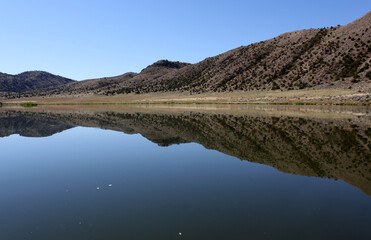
(327, 58)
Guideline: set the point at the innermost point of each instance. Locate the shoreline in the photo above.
(294, 97)
(190, 103)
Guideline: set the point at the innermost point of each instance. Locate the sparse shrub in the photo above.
(350, 66)
(368, 74)
(28, 104)
(275, 86)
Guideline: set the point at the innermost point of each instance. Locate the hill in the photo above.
(103, 86)
(296, 60)
(32, 80)
(315, 58)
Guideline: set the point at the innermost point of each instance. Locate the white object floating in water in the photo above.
(110, 185)
(180, 234)
(98, 188)
(80, 223)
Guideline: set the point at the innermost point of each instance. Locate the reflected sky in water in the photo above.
(49, 191)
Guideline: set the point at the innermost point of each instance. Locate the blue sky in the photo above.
(89, 39)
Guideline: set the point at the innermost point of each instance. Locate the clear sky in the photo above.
(89, 39)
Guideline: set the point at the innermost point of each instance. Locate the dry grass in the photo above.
(360, 113)
(309, 96)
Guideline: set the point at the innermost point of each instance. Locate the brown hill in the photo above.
(93, 86)
(314, 58)
(31, 80)
(295, 60)
(105, 85)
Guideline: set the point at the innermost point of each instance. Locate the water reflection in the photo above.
(13, 122)
(336, 148)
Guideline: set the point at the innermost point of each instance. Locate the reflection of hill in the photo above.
(29, 126)
(337, 149)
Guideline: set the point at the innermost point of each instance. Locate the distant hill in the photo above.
(104, 85)
(32, 80)
(315, 58)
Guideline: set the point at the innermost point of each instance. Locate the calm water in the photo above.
(131, 175)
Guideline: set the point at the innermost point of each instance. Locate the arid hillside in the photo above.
(330, 57)
(296, 60)
(28, 81)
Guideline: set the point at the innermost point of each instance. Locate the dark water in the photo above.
(208, 176)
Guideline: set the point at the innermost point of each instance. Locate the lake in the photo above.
(185, 172)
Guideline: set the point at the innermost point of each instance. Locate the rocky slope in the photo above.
(315, 58)
(27, 81)
(300, 59)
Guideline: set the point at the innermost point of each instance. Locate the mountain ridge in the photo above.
(311, 58)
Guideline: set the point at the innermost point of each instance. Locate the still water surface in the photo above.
(134, 175)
